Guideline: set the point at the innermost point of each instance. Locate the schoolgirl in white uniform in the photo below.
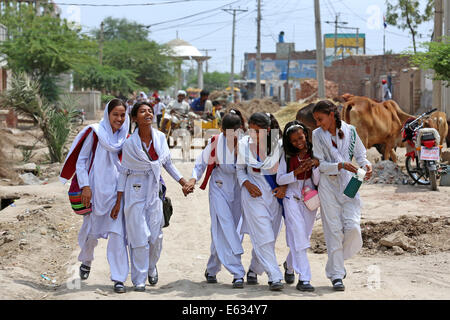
(99, 189)
(297, 169)
(219, 160)
(144, 152)
(335, 143)
(259, 154)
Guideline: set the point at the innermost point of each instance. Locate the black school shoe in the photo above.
(338, 285)
(153, 280)
(238, 283)
(288, 277)
(119, 287)
(84, 272)
(304, 286)
(209, 278)
(253, 278)
(275, 286)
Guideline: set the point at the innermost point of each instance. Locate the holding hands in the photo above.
(306, 165)
(189, 187)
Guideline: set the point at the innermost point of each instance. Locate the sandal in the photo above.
(238, 283)
(119, 287)
(84, 272)
(338, 285)
(252, 277)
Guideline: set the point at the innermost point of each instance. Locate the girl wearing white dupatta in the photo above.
(259, 154)
(334, 144)
(143, 155)
(99, 189)
(219, 160)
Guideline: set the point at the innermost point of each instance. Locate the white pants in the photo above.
(298, 261)
(116, 252)
(341, 226)
(144, 260)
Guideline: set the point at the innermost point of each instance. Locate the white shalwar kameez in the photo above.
(102, 179)
(340, 214)
(299, 220)
(261, 215)
(225, 209)
(139, 180)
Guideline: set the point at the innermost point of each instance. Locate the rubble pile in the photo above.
(387, 172)
(255, 105)
(309, 90)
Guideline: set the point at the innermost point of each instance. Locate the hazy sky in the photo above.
(212, 30)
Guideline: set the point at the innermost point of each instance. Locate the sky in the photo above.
(205, 25)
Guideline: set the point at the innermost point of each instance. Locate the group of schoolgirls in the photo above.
(257, 178)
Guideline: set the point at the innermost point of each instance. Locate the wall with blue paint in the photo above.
(277, 69)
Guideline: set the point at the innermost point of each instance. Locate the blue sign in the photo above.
(277, 69)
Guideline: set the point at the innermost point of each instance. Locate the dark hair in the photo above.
(231, 121)
(114, 103)
(289, 129)
(135, 109)
(266, 121)
(215, 103)
(239, 113)
(204, 93)
(326, 107)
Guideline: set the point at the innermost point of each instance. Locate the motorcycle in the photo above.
(79, 116)
(423, 151)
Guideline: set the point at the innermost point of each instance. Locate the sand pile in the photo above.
(218, 95)
(413, 234)
(387, 172)
(255, 105)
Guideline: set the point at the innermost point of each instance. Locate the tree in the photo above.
(122, 29)
(43, 46)
(213, 80)
(436, 57)
(405, 14)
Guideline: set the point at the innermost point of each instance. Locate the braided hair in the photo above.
(326, 107)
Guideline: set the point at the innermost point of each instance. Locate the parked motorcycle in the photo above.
(424, 152)
(79, 116)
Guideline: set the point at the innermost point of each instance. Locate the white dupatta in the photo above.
(270, 164)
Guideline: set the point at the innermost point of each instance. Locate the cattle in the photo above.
(438, 121)
(448, 134)
(376, 122)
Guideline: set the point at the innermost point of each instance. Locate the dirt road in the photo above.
(38, 250)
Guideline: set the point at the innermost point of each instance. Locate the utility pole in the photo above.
(319, 52)
(336, 25)
(206, 54)
(232, 46)
(258, 52)
(101, 43)
(288, 91)
(437, 85)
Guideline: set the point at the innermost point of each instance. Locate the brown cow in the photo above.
(448, 134)
(438, 121)
(376, 122)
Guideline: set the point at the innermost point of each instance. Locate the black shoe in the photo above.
(209, 278)
(140, 288)
(275, 286)
(153, 280)
(252, 279)
(84, 272)
(288, 277)
(238, 283)
(338, 285)
(304, 286)
(119, 287)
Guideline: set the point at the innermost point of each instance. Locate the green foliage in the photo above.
(122, 29)
(436, 57)
(405, 14)
(106, 98)
(53, 120)
(43, 46)
(212, 80)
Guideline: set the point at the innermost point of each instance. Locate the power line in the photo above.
(123, 5)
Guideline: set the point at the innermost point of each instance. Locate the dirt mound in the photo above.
(218, 95)
(255, 105)
(417, 235)
(387, 172)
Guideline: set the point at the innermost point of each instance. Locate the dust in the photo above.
(424, 234)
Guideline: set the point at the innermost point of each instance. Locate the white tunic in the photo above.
(340, 214)
(224, 195)
(141, 184)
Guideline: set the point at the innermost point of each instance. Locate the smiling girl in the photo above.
(335, 143)
(144, 153)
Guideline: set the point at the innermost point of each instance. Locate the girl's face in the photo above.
(144, 116)
(117, 117)
(298, 139)
(323, 120)
(256, 131)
